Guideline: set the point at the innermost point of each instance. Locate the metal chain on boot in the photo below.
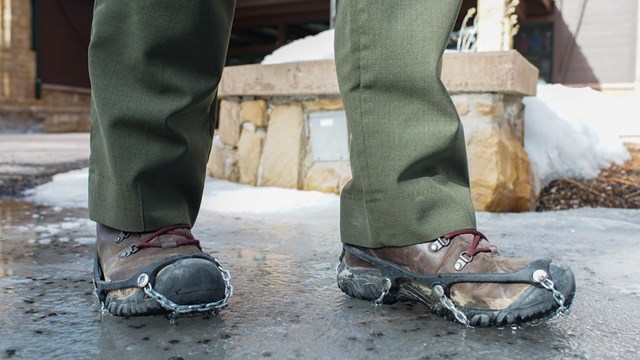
(385, 292)
(438, 290)
(541, 277)
(212, 307)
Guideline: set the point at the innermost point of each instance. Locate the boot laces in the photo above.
(475, 247)
(182, 231)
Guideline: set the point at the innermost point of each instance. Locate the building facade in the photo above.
(43, 44)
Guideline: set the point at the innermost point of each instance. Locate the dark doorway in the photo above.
(62, 29)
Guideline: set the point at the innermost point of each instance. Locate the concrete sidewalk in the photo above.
(27, 160)
(43, 149)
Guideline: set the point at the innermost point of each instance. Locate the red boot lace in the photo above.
(477, 238)
(171, 230)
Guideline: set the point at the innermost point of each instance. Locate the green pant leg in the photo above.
(154, 66)
(410, 176)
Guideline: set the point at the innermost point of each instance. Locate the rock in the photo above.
(229, 122)
(328, 176)
(282, 156)
(255, 112)
(346, 176)
(487, 109)
(223, 161)
(499, 169)
(322, 177)
(248, 127)
(461, 104)
(324, 104)
(249, 151)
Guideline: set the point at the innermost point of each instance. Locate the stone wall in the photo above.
(263, 137)
(499, 167)
(65, 108)
(17, 60)
(265, 142)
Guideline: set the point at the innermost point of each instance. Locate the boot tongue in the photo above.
(171, 239)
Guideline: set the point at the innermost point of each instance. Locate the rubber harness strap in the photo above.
(102, 286)
(394, 272)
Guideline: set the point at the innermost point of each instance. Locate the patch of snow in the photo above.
(85, 240)
(66, 190)
(568, 132)
(227, 197)
(310, 48)
(70, 190)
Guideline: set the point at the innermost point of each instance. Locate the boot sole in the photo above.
(535, 305)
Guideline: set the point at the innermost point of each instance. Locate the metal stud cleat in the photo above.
(539, 276)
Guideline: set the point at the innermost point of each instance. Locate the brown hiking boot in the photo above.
(459, 276)
(159, 272)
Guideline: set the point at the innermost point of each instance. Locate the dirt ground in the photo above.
(615, 187)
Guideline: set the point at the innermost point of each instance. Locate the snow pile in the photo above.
(310, 48)
(227, 197)
(569, 132)
(69, 190)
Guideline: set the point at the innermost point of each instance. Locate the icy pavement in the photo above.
(281, 247)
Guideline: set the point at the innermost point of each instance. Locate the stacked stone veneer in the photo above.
(265, 142)
(263, 134)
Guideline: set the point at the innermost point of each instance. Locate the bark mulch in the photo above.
(615, 187)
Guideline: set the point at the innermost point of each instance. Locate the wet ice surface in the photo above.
(286, 304)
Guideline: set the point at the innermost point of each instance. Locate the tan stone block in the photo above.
(255, 112)
(310, 78)
(223, 161)
(462, 105)
(229, 122)
(505, 72)
(282, 156)
(215, 165)
(249, 151)
(486, 109)
(499, 169)
(324, 104)
(346, 176)
(323, 178)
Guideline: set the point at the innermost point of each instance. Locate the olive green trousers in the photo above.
(155, 66)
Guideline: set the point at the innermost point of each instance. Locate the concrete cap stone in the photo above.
(505, 72)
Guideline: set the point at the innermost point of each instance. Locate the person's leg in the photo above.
(154, 67)
(409, 196)
(410, 176)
